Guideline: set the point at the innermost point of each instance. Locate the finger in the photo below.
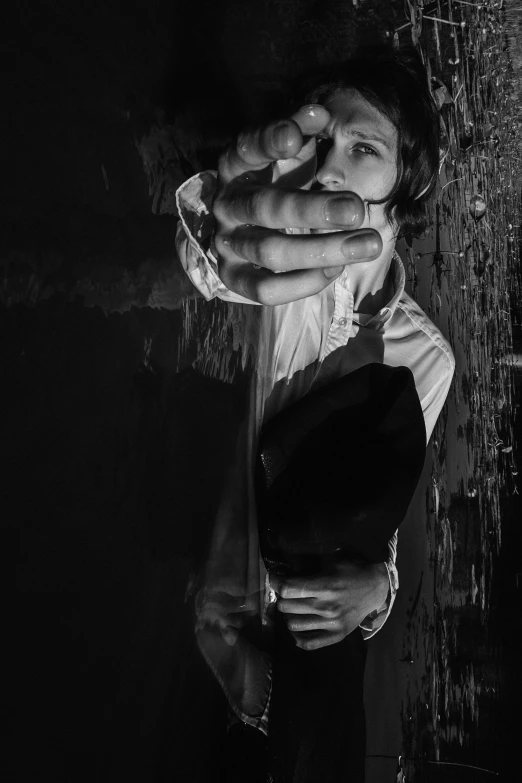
(268, 288)
(314, 640)
(294, 587)
(275, 207)
(303, 606)
(299, 170)
(279, 252)
(300, 623)
(282, 139)
(312, 119)
(256, 149)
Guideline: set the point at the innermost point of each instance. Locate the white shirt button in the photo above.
(342, 321)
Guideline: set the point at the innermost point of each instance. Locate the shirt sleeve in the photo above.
(433, 403)
(433, 366)
(375, 620)
(193, 237)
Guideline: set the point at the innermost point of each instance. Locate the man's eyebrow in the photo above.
(367, 135)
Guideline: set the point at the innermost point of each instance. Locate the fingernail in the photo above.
(281, 137)
(360, 247)
(341, 211)
(312, 109)
(332, 271)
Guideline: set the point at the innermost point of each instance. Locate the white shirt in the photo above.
(301, 345)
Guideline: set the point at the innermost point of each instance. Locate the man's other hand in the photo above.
(322, 610)
(259, 196)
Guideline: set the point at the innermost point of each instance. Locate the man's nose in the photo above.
(329, 172)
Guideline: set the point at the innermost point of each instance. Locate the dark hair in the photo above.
(395, 82)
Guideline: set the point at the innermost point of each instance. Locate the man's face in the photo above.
(357, 151)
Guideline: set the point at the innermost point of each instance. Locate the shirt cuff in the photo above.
(375, 620)
(194, 202)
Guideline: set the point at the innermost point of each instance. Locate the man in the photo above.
(306, 215)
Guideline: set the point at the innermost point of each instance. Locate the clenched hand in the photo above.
(322, 610)
(262, 190)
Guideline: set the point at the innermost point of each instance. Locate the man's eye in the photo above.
(365, 149)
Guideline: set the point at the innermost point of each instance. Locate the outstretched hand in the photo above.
(258, 198)
(322, 610)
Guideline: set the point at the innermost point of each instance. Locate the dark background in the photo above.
(113, 445)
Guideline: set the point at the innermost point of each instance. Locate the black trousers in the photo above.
(317, 728)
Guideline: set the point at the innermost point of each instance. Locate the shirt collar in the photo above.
(386, 313)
